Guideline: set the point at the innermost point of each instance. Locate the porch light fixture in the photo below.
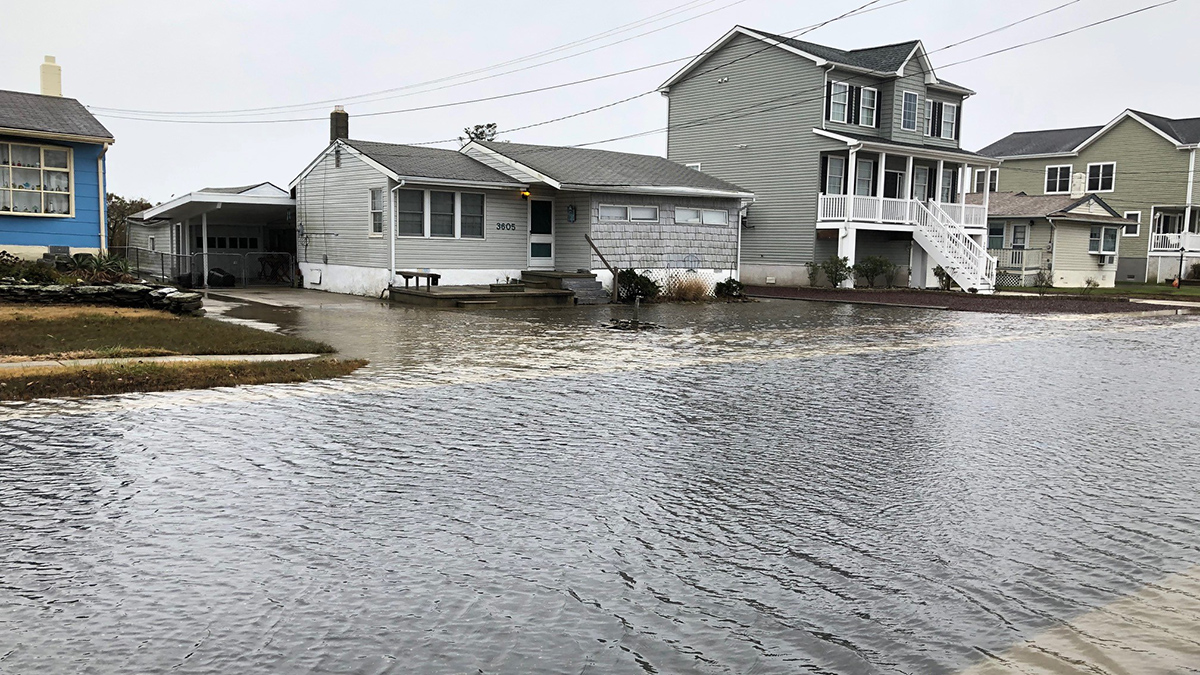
(524, 194)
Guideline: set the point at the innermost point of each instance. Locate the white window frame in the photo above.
(841, 176)
(634, 219)
(8, 187)
(952, 120)
(1137, 231)
(724, 220)
(1046, 178)
(695, 166)
(991, 185)
(424, 213)
(990, 235)
(1012, 240)
(628, 209)
(429, 215)
(928, 118)
(697, 220)
(916, 110)
(858, 176)
(458, 214)
(1100, 178)
(371, 211)
(1100, 245)
(623, 219)
(833, 95)
(862, 107)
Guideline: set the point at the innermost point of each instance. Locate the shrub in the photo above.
(1043, 279)
(686, 289)
(630, 285)
(945, 281)
(836, 270)
(814, 272)
(30, 271)
(730, 288)
(890, 273)
(1090, 284)
(1195, 271)
(874, 266)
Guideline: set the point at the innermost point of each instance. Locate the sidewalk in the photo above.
(182, 358)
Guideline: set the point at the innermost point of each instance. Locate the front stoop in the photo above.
(588, 291)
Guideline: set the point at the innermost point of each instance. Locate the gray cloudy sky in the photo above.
(221, 55)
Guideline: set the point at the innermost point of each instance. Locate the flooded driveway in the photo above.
(775, 487)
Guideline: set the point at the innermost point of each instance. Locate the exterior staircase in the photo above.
(588, 291)
(963, 258)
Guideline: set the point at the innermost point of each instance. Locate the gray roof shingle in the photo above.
(420, 162)
(1185, 131)
(1048, 142)
(35, 113)
(605, 168)
(885, 58)
(1022, 205)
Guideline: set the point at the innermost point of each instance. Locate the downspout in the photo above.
(104, 201)
(1053, 246)
(825, 92)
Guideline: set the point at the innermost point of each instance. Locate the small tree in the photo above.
(117, 213)
(814, 273)
(1090, 284)
(837, 270)
(945, 281)
(479, 132)
(1043, 280)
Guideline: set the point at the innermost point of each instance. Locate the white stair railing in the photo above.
(963, 258)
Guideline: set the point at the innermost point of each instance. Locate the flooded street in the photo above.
(773, 487)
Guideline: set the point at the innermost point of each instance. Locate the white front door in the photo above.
(541, 234)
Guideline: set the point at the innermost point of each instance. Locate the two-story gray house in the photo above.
(853, 153)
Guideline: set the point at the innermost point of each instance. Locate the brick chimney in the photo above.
(51, 78)
(339, 124)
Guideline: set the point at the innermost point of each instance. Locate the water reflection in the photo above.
(778, 487)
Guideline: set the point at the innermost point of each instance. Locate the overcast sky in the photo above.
(218, 55)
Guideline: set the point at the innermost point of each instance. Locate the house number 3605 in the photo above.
(506, 226)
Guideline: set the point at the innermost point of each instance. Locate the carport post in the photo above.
(204, 243)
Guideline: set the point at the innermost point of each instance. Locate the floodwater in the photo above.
(775, 487)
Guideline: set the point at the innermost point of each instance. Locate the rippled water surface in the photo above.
(776, 487)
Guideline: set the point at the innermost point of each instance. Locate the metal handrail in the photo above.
(613, 270)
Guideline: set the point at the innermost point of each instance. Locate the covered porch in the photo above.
(1174, 229)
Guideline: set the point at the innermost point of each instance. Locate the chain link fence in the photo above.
(226, 269)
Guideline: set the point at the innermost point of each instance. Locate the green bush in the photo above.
(730, 288)
(1195, 271)
(630, 285)
(29, 271)
(874, 266)
(945, 281)
(814, 272)
(837, 270)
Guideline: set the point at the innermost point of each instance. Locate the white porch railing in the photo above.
(865, 209)
(1172, 241)
(1019, 259)
(963, 258)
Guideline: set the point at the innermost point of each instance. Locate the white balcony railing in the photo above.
(862, 209)
(1018, 259)
(1173, 241)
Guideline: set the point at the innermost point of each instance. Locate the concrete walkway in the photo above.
(182, 358)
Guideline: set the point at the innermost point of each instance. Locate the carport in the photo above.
(248, 232)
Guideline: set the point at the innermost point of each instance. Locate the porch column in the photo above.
(918, 267)
(965, 187)
(847, 240)
(882, 182)
(851, 179)
(937, 189)
(987, 190)
(908, 178)
(204, 245)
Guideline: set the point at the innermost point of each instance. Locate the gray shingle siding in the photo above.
(665, 244)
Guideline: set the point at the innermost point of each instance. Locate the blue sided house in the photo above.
(52, 193)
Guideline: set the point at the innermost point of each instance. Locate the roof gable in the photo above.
(35, 115)
(1182, 132)
(417, 163)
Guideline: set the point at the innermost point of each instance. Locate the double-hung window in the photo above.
(864, 178)
(908, 114)
(868, 107)
(376, 210)
(989, 178)
(839, 101)
(1100, 176)
(441, 214)
(949, 185)
(471, 216)
(995, 236)
(1134, 227)
(949, 120)
(835, 175)
(928, 117)
(410, 213)
(1102, 240)
(1058, 179)
(35, 180)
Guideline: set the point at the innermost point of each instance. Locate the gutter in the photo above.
(72, 138)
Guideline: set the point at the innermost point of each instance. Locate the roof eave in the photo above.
(216, 199)
(673, 190)
(933, 152)
(75, 138)
(733, 32)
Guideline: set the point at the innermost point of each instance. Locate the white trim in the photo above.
(41, 190)
(1125, 230)
(874, 111)
(922, 152)
(916, 111)
(498, 156)
(1119, 118)
(448, 182)
(658, 190)
(216, 200)
(530, 235)
(1088, 177)
(724, 39)
(953, 124)
(71, 138)
(846, 106)
(695, 166)
(841, 176)
(396, 209)
(371, 211)
(1191, 175)
(1046, 177)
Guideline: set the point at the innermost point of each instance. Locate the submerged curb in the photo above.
(181, 358)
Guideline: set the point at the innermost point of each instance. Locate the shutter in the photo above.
(824, 173)
(958, 122)
(936, 131)
(828, 100)
(879, 108)
(856, 96)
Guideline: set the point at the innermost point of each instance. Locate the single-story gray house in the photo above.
(1073, 237)
(491, 210)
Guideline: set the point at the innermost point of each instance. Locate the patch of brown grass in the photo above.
(30, 312)
(29, 383)
(109, 353)
(686, 289)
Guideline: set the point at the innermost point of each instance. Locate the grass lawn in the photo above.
(29, 383)
(32, 332)
(1186, 292)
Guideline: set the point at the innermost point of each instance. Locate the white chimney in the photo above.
(1078, 184)
(51, 78)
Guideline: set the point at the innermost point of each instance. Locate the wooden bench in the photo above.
(430, 278)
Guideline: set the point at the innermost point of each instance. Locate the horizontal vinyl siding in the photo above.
(1071, 251)
(332, 204)
(880, 105)
(780, 160)
(572, 251)
(499, 249)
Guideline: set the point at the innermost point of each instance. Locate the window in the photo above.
(839, 101)
(222, 242)
(1019, 236)
(1100, 177)
(152, 243)
(992, 177)
(716, 217)
(410, 213)
(614, 213)
(688, 216)
(1134, 228)
(920, 183)
(949, 185)
(643, 214)
(1102, 240)
(1058, 179)
(995, 236)
(376, 211)
(928, 117)
(472, 216)
(835, 175)
(867, 107)
(695, 166)
(908, 116)
(864, 178)
(441, 214)
(35, 180)
(949, 120)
